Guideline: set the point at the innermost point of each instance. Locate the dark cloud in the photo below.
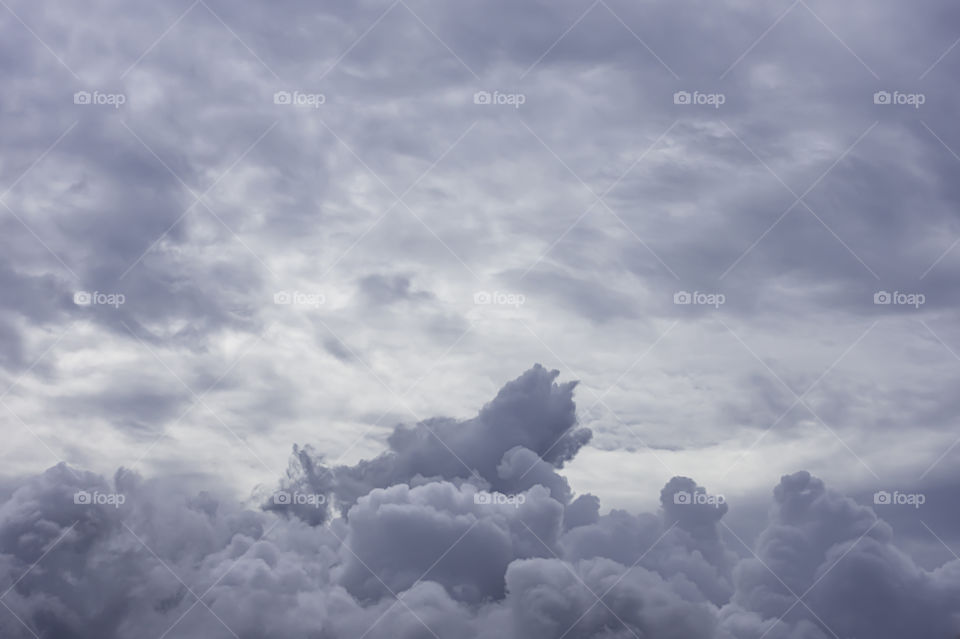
(838, 557)
(398, 200)
(338, 349)
(517, 440)
(383, 289)
(449, 558)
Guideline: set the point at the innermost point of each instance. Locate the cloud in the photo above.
(839, 559)
(517, 440)
(493, 198)
(82, 556)
(398, 199)
(383, 289)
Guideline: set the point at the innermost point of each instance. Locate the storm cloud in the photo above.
(434, 555)
(232, 229)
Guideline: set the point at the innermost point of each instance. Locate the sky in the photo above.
(387, 257)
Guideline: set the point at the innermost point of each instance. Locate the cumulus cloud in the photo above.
(828, 566)
(517, 440)
(200, 198)
(292, 270)
(429, 549)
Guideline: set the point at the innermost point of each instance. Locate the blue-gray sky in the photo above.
(227, 229)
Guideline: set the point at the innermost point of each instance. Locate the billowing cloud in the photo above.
(516, 441)
(386, 191)
(829, 566)
(230, 227)
(432, 550)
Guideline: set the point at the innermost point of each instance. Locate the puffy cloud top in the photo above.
(517, 441)
(429, 550)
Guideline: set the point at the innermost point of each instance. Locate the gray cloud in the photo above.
(515, 442)
(201, 378)
(133, 555)
(381, 289)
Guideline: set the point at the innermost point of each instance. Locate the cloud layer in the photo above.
(381, 214)
(420, 547)
(229, 227)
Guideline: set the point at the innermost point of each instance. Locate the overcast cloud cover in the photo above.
(480, 319)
